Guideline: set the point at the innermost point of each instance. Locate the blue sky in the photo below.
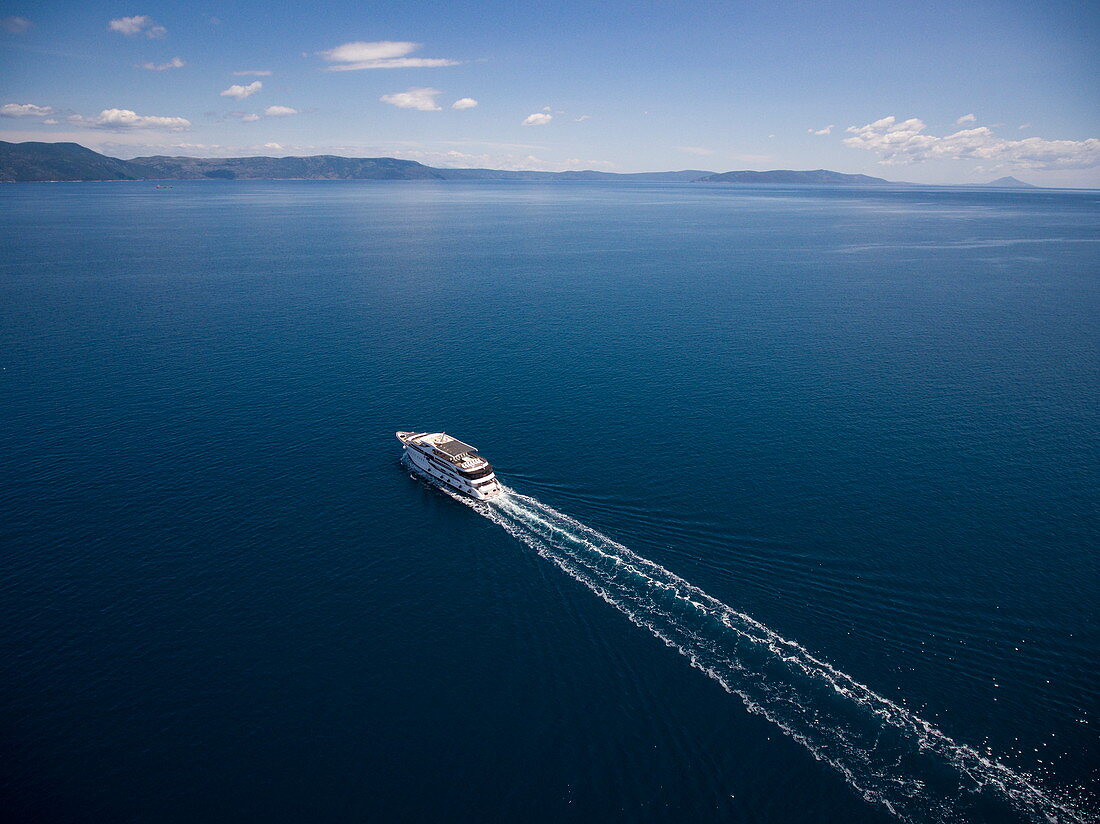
(923, 91)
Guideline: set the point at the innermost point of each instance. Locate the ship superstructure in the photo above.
(450, 463)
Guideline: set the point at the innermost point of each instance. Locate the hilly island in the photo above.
(46, 162)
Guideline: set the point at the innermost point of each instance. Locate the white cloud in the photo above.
(273, 146)
(1025, 125)
(249, 118)
(381, 54)
(241, 92)
(359, 52)
(537, 119)
(905, 142)
(695, 150)
(966, 118)
(582, 118)
(126, 119)
(827, 130)
(397, 63)
(26, 110)
(15, 25)
(137, 24)
(464, 103)
(253, 73)
(129, 25)
(419, 98)
(279, 111)
(174, 63)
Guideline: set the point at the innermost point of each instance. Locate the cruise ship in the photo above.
(450, 463)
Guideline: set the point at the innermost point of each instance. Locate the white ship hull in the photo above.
(449, 464)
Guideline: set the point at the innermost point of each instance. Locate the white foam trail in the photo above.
(887, 753)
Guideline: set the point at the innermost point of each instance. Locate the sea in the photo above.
(802, 516)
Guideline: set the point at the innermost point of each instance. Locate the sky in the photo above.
(929, 91)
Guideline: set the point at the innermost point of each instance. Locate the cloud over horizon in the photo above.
(537, 119)
(122, 119)
(380, 54)
(26, 110)
(508, 159)
(280, 111)
(112, 119)
(904, 142)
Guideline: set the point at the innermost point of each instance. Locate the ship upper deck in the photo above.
(444, 446)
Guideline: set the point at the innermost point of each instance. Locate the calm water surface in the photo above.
(837, 449)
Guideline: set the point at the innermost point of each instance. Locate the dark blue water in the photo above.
(804, 522)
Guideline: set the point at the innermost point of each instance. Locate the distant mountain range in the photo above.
(819, 177)
(31, 161)
(71, 161)
(318, 167)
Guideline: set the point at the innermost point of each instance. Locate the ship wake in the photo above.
(889, 755)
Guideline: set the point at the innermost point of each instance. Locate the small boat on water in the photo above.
(162, 187)
(449, 463)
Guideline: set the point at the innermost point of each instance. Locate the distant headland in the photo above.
(43, 162)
